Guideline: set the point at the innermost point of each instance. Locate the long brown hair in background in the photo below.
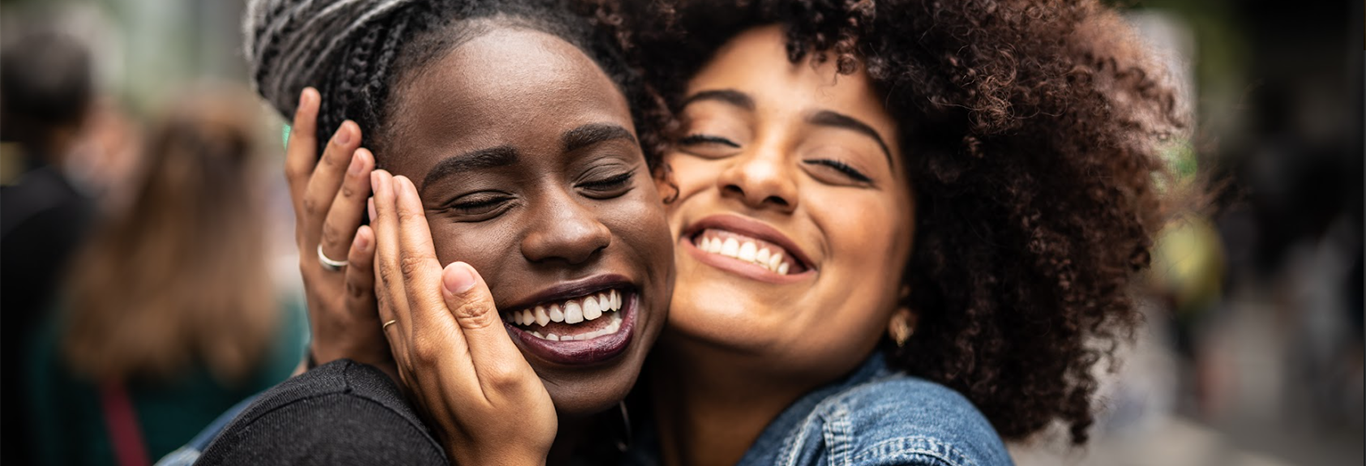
(180, 278)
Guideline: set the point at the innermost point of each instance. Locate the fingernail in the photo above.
(374, 178)
(356, 164)
(303, 97)
(370, 206)
(362, 243)
(344, 134)
(398, 186)
(459, 278)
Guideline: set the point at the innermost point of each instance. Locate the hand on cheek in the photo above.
(454, 356)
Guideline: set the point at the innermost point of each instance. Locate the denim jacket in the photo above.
(874, 417)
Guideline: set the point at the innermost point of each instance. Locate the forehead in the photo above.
(755, 62)
(509, 86)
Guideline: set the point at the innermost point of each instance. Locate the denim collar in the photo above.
(777, 432)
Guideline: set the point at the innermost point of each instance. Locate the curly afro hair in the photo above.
(1033, 129)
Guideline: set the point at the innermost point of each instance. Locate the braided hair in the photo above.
(356, 51)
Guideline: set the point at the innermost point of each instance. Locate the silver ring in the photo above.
(327, 263)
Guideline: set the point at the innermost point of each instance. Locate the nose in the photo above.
(761, 178)
(564, 230)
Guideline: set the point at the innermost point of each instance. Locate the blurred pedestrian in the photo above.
(171, 318)
(45, 89)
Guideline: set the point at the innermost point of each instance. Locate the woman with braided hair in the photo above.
(506, 133)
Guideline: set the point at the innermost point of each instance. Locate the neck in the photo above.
(710, 406)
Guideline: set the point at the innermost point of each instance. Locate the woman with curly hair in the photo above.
(886, 211)
(1027, 134)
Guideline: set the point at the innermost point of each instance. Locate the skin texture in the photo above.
(549, 217)
(766, 164)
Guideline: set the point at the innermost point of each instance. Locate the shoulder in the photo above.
(900, 419)
(338, 413)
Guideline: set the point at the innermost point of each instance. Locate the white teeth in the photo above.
(612, 327)
(730, 248)
(541, 317)
(747, 251)
(573, 313)
(591, 309)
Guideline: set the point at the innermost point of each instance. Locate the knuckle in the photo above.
(410, 266)
(357, 289)
(295, 173)
(425, 351)
(310, 206)
(406, 216)
(331, 235)
(475, 314)
(502, 377)
(386, 275)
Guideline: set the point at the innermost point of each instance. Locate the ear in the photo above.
(664, 183)
(902, 324)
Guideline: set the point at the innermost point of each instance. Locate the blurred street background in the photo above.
(1253, 349)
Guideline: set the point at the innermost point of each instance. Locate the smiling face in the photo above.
(525, 157)
(794, 216)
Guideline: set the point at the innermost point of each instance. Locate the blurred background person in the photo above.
(45, 96)
(171, 316)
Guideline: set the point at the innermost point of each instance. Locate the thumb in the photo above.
(468, 298)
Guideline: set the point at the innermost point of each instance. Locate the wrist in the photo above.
(472, 456)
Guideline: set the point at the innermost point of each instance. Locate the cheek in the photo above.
(864, 272)
(638, 219)
(692, 173)
(486, 246)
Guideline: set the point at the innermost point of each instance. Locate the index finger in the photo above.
(302, 149)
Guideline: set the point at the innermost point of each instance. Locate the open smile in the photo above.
(746, 247)
(580, 323)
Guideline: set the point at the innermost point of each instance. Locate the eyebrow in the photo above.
(730, 96)
(839, 120)
(491, 157)
(594, 133)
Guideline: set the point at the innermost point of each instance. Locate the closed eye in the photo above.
(841, 167)
(478, 204)
(695, 139)
(609, 187)
(609, 183)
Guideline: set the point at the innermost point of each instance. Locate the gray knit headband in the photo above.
(289, 42)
